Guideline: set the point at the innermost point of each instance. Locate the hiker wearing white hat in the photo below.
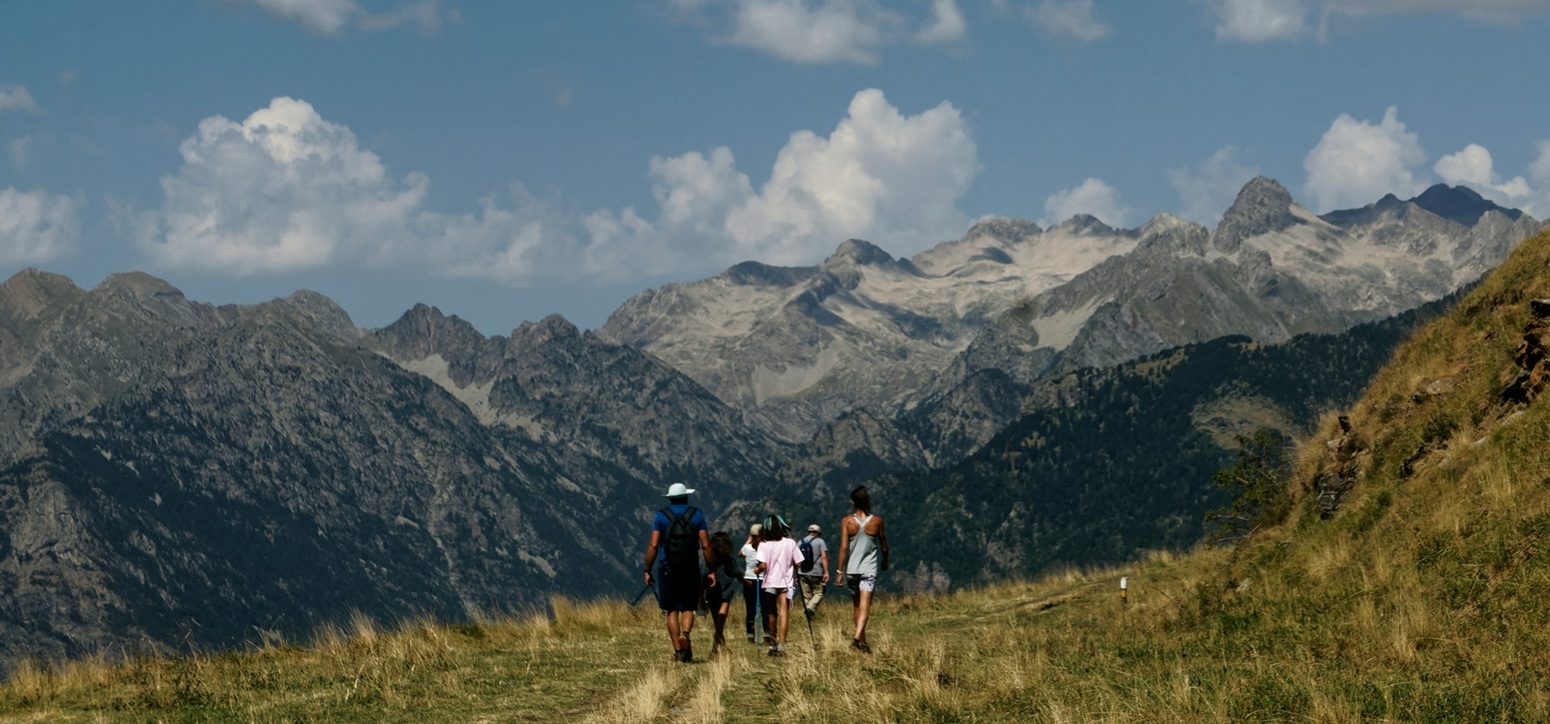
(679, 541)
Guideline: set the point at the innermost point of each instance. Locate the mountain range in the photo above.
(176, 473)
(796, 348)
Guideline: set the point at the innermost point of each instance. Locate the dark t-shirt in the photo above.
(661, 523)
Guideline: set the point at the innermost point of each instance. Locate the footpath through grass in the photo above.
(1058, 650)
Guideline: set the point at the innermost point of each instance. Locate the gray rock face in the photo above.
(1263, 206)
(177, 473)
(798, 348)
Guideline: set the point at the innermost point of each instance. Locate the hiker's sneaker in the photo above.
(688, 652)
(678, 656)
(776, 652)
(860, 646)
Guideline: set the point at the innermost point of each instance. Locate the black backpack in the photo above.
(806, 547)
(683, 543)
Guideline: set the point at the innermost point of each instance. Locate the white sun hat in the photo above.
(677, 490)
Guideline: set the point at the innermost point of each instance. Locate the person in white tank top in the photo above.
(863, 553)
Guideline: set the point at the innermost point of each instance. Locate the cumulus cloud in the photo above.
(36, 226)
(16, 98)
(1258, 21)
(823, 31)
(1092, 196)
(880, 175)
(946, 25)
(282, 190)
(1208, 188)
(1356, 162)
(286, 190)
(332, 17)
(1474, 167)
(1069, 19)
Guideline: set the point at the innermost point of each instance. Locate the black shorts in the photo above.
(678, 592)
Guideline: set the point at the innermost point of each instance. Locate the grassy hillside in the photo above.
(1408, 583)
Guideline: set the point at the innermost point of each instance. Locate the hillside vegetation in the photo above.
(1407, 583)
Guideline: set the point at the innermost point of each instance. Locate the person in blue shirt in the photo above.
(679, 541)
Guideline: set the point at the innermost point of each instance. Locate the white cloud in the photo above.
(880, 175)
(36, 226)
(286, 190)
(824, 31)
(1069, 19)
(332, 17)
(1357, 162)
(16, 98)
(1092, 196)
(1540, 169)
(280, 191)
(1488, 10)
(1474, 167)
(1258, 21)
(946, 25)
(1207, 189)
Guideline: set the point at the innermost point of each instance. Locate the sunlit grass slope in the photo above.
(1422, 597)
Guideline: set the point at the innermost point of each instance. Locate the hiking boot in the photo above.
(688, 651)
(777, 651)
(860, 646)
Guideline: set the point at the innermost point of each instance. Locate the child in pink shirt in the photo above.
(778, 558)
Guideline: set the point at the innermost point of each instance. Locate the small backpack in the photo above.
(806, 547)
(682, 552)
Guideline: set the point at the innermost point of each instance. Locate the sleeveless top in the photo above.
(862, 558)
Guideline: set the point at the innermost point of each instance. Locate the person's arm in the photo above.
(651, 553)
(844, 546)
(825, 558)
(710, 561)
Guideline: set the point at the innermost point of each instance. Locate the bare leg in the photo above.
(784, 606)
(719, 615)
(863, 609)
(672, 629)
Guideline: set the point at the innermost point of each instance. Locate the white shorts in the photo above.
(858, 582)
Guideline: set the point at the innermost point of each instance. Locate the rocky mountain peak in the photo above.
(551, 328)
(1263, 206)
(138, 284)
(1009, 230)
(1460, 204)
(30, 291)
(856, 252)
(1084, 225)
(424, 330)
(324, 313)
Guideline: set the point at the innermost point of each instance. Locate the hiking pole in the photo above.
(809, 616)
(758, 607)
(640, 595)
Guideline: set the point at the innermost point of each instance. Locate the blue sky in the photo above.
(508, 160)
